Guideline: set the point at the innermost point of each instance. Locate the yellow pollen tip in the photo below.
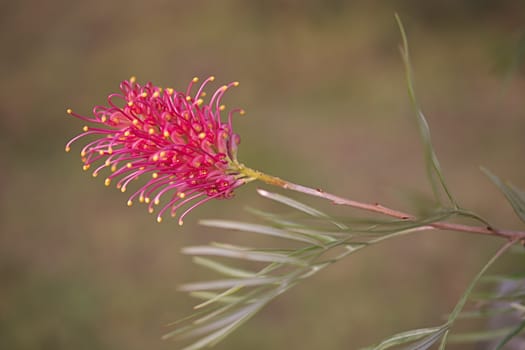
(83, 153)
(147, 200)
(242, 112)
(85, 128)
(150, 210)
(199, 102)
(156, 94)
(130, 103)
(107, 182)
(132, 79)
(110, 150)
(130, 203)
(95, 174)
(195, 79)
(154, 175)
(166, 134)
(107, 162)
(203, 94)
(144, 94)
(222, 107)
(188, 98)
(135, 122)
(163, 154)
(151, 131)
(114, 168)
(103, 119)
(159, 219)
(129, 165)
(236, 83)
(68, 148)
(181, 195)
(169, 91)
(155, 158)
(181, 222)
(141, 199)
(69, 111)
(212, 78)
(85, 166)
(157, 201)
(123, 189)
(127, 133)
(202, 135)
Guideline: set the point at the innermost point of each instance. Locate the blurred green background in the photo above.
(323, 86)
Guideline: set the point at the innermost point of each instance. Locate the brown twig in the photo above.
(380, 209)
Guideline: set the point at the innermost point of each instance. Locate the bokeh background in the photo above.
(323, 86)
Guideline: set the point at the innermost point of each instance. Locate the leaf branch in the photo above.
(386, 211)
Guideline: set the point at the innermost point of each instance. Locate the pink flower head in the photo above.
(177, 140)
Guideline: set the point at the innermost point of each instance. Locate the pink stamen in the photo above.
(181, 140)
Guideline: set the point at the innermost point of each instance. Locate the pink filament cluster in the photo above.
(177, 140)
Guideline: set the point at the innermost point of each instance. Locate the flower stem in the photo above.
(380, 209)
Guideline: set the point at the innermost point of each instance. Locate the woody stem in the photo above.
(380, 209)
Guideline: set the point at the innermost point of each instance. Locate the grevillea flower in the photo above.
(179, 142)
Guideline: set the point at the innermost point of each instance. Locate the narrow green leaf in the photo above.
(221, 322)
(299, 206)
(485, 313)
(470, 288)
(223, 268)
(461, 303)
(470, 214)
(520, 327)
(427, 342)
(433, 168)
(219, 312)
(229, 283)
(292, 203)
(502, 278)
(230, 324)
(244, 254)
(280, 251)
(273, 218)
(479, 336)
(514, 195)
(209, 314)
(321, 236)
(443, 343)
(408, 336)
(211, 297)
(399, 226)
(265, 230)
(192, 316)
(489, 297)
